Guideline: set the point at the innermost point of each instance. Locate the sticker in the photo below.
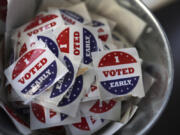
(45, 4)
(12, 95)
(34, 72)
(75, 15)
(47, 38)
(87, 126)
(117, 44)
(97, 23)
(61, 87)
(41, 117)
(109, 109)
(81, 9)
(100, 20)
(3, 10)
(103, 30)
(148, 81)
(92, 93)
(41, 23)
(47, 21)
(79, 41)
(29, 44)
(119, 73)
(51, 43)
(70, 100)
(70, 17)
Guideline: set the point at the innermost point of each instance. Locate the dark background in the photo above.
(169, 122)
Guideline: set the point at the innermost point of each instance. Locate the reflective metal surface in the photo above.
(154, 49)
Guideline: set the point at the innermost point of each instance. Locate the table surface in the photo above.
(169, 122)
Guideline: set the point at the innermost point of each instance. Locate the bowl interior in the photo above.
(154, 50)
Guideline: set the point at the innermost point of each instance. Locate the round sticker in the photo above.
(39, 20)
(97, 23)
(83, 125)
(89, 45)
(125, 84)
(104, 107)
(25, 61)
(83, 48)
(69, 15)
(63, 40)
(101, 32)
(39, 112)
(73, 92)
(15, 116)
(43, 80)
(50, 43)
(103, 37)
(23, 49)
(63, 116)
(52, 113)
(63, 84)
(3, 10)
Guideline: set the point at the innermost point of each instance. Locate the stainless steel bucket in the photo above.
(154, 49)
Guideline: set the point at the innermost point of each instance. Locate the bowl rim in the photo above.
(170, 67)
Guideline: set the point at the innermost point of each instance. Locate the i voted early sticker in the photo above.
(103, 30)
(76, 40)
(119, 73)
(45, 22)
(47, 38)
(87, 126)
(34, 72)
(55, 94)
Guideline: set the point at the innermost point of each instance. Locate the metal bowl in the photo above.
(154, 49)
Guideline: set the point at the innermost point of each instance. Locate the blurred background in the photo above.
(167, 12)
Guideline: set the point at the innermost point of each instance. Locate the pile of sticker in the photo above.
(66, 70)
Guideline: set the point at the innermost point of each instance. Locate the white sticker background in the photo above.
(92, 93)
(18, 86)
